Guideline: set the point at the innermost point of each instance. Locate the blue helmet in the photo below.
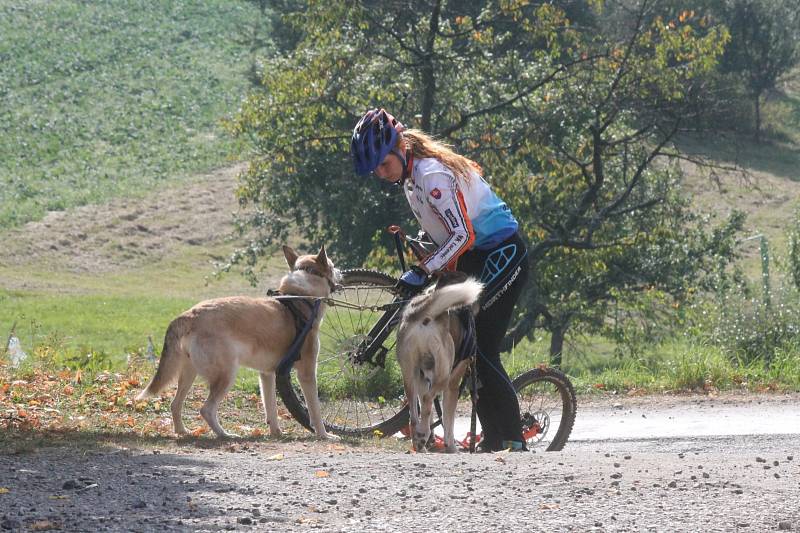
(374, 137)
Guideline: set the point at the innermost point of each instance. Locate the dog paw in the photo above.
(329, 436)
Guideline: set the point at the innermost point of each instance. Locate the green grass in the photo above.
(679, 365)
(114, 313)
(112, 98)
(111, 324)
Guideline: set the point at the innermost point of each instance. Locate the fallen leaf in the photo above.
(322, 473)
(499, 459)
(201, 430)
(548, 506)
(44, 525)
(276, 457)
(4, 490)
(59, 497)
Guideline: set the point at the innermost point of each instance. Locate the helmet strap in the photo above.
(408, 163)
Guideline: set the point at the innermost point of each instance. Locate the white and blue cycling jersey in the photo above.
(458, 214)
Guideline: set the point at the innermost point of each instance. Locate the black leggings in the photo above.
(504, 271)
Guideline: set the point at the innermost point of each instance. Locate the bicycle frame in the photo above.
(373, 345)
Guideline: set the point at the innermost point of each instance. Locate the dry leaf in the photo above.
(548, 506)
(4, 490)
(44, 525)
(276, 457)
(322, 473)
(201, 430)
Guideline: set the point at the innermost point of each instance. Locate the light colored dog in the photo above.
(427, 340)
(215, 337)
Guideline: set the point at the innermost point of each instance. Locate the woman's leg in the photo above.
(497, 406)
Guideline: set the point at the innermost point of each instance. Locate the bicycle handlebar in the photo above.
(418, 246)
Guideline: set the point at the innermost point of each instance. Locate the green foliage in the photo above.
(568, 122)
(349, 60)
(794, 250)
(748, 329)
(764, 47)
(113, 98)
(764, 39)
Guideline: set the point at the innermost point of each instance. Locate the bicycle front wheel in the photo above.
(360, 389)
(547, 406)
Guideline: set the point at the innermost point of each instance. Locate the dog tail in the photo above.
(437, 302)
(171, 360)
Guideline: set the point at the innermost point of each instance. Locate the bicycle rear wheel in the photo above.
(547, 406)
(358, 397)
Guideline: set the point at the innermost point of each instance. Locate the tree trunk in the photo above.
(557, 345)
(428, 73)
(758, 117)
(518, 331)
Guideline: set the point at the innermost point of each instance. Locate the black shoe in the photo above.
(486, 446)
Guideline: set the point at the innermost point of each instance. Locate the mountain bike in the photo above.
(359, 379)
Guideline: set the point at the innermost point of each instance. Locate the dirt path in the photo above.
(98, 239)
(711, 483)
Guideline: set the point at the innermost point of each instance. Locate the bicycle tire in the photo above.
(537, 389)
(357, 399)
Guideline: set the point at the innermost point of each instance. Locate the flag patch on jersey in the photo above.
(436, 193)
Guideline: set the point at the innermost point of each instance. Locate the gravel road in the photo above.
(676, 483)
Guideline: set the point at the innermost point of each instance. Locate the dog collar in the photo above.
(314, 272)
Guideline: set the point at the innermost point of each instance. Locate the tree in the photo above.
(765, 44)
(569, 122)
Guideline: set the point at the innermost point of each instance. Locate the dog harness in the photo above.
(469, 342)
(468, 348)
(302, 325)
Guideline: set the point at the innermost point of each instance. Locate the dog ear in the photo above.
(322, 257)
(290, 255)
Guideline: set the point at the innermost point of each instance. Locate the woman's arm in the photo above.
(446, 201)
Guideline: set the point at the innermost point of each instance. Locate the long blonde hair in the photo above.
(423, 145)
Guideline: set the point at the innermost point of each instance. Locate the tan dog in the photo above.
(215, 337)
(427, 340)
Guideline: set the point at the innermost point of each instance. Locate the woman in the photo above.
(474, 232)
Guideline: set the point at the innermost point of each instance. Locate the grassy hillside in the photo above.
(113, 98)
